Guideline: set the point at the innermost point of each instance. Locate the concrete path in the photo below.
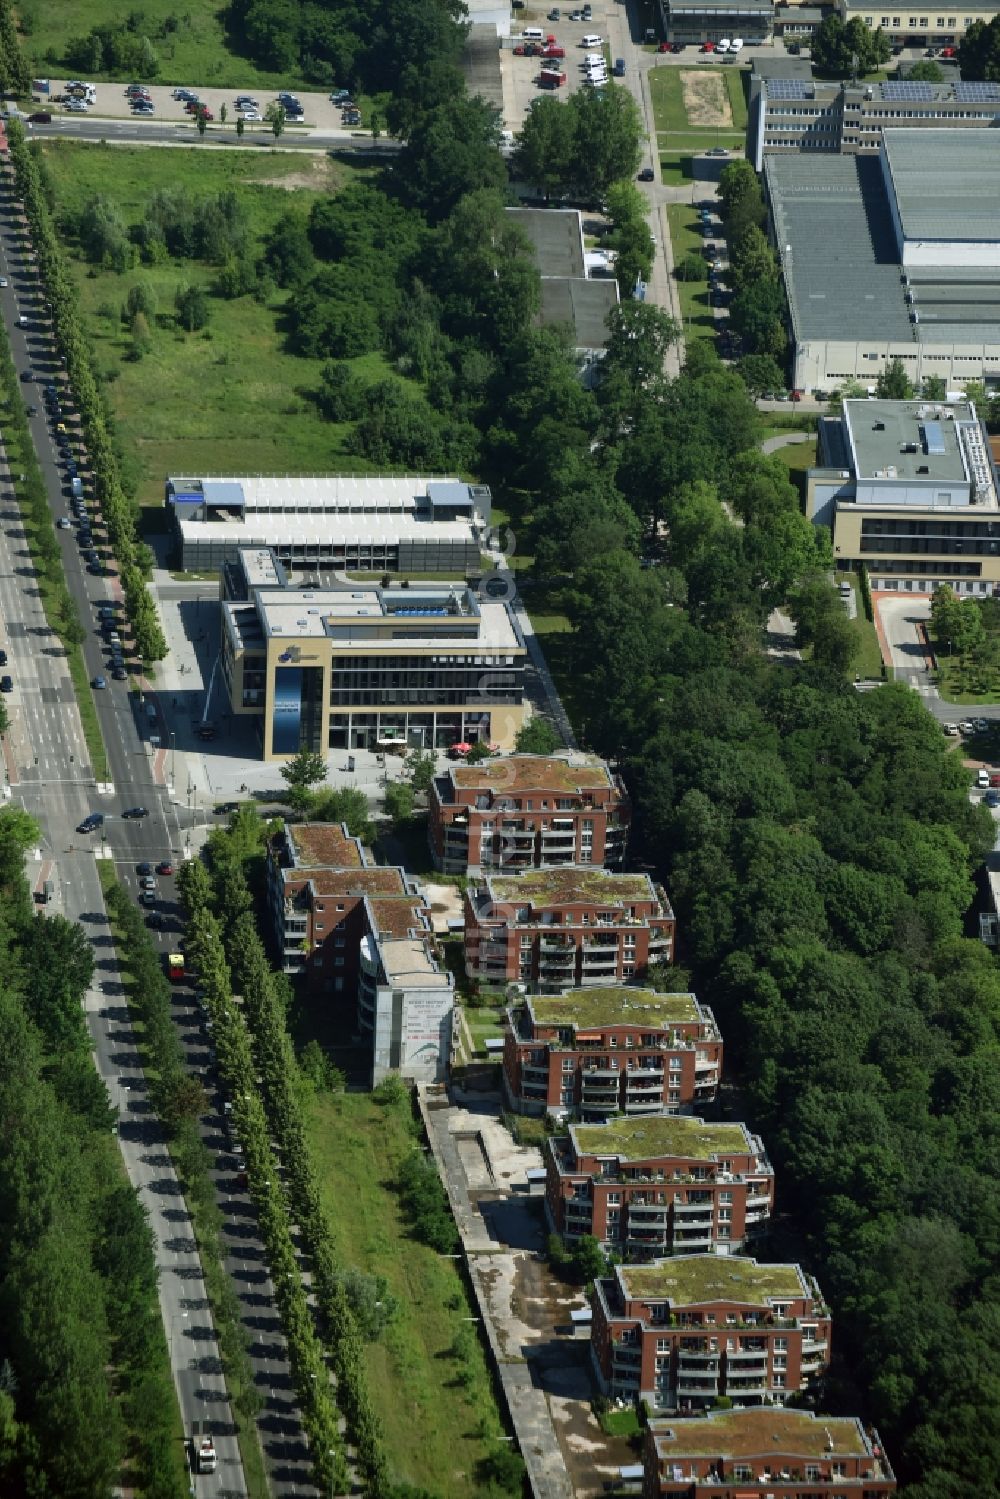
(785, 440)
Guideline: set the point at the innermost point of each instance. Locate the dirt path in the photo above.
(706, 101)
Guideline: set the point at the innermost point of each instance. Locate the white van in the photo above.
(723, 46)
(591, 41)
(533, 34)
(737, 45)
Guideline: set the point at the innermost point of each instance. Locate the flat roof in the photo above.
(533, 772)
(680, 1135)
(556, 237)
(308, 614)
(946, 183)
(386, 879)
(769, 1432)
(614, 1005)
(845, 282)
(398, 918)
(324, 843)
(781, 66)
(550, 887)
(409, 960)
(584, 303)
(331, 493)
(690, 1279)
(880, 431)
(381, 528)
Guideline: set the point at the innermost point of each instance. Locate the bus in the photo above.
(175, 966)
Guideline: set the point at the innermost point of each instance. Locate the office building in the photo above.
(330, 522)
(732, 1454)
(893, 256)
(359, 936)
(909, 490)
(352, 666)
(596, 1052)
(918, 25)
(691, 21)
(799, 113)
(648, 1187)
(579, 290)
(558, 929)
(681, 1333)
(528, 812)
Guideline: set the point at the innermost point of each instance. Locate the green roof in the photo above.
(770, 1432)
(662, 1135)
(693, 1278)
(531, 772)
(618, 1005)
(543, 887)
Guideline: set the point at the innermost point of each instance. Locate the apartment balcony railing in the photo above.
(814, 1347)
(696, 1238)
(689, 1210)
(542, 1067)
(626, 1357)
(648, 1212)
(747, 1356)
(697, 1387)
(739, 1387)
(704, 1359)
(650, 1105)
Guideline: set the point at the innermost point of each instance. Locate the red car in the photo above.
(204, 114)
(947, 52)
(527, 49)
(550, 78)
(164, 867)
(707, 47)
(553, 52)
(995, 777)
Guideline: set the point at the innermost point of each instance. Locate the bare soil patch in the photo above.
(706, 101)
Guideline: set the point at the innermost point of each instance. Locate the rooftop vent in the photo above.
(878, 427)
(923, 469)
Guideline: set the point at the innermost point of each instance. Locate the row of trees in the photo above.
(352, 1307)
(117, 508)
(238, 1070)
(581, 145)
(758, 311)
(85, 1397)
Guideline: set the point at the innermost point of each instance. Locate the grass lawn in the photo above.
(196, 53)
(797, 456)
(686, 239)
(228, 399)
(485, 1021)
(675, 131)
(621, 1423)
(868, 662)
(427, 1377)
(960, 682)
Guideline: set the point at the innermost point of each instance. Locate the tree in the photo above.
(454, 149)
(546, 146)
(751, 258)
(240, 127)
(587, 1258)
(691, 268)
(140, 336)
(304, 771)
(933, 388)
(275, 117)
(399, 801)
(925, 71)
(893, 384)
(420, 769)
(979, 50)
(192, 307)
(536, 736)
(608, 133)
(223, 113)
(760, 373)
(201, 122)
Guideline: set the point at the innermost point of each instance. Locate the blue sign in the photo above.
(287, 710)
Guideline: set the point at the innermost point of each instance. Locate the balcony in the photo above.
(535, 1067)
(626, 1356)
(814, 1348)
(704, 1359)
(697, 1388)
(748, 1356)
(692, 1210)
(741, 1388)
(648, 1105)
(649, 1212)
(691, 1239)
(576, 1208)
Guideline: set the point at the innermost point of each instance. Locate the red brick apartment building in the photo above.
(595, 1052)
(765, 1454)
(665, 1184)
(558, 929)
(682, 1332)
(362, 934)
(528, 812)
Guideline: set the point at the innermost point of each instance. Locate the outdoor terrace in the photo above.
(692, 1279)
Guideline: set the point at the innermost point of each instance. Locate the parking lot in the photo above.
(111, 102)
(521, 85)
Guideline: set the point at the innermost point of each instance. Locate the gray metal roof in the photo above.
(842, 271)
(781, 67)
(946, 183)
(556, 236)
(881, 432)
(750, 8)
(585, 305)
(837, 248)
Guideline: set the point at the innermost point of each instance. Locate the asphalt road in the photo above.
(50, 774)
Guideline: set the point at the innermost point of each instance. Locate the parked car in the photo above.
(6, 684)
(77, 106)
(983, 778)
(244, 101)
(183, 94)
(143, 107)
(992, 799)
(994, 774)
(707, 47)
(118, 672)
(99, 683)
(647, 175)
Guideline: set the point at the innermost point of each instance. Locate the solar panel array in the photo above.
(789, 88)
(977, 92)
(908, 91)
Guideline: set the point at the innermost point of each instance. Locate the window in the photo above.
(568, 1064)
(780, 1361)
(779, 1381)
(725, 1196)
(614, 1197)
(724, 1231)
(781, 1345)
(663, 1345)
(725, 1215)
